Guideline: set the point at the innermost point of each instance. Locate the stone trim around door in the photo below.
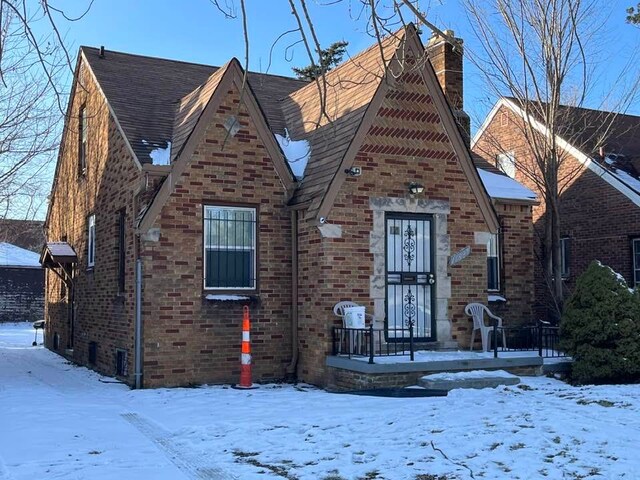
(439, 209)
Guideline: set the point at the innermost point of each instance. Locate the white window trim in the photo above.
(511, 157)
(254, 248)
(91, 236)
(83, 141)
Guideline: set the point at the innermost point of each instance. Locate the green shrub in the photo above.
(600, 328)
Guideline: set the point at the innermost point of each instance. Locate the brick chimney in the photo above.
(446, 60)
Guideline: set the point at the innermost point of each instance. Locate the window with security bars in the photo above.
(493, 263)
(229, 248)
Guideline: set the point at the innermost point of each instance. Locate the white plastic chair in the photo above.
(355, 340)
(477, 311)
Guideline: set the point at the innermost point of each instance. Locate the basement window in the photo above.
(93, 353)
(121, 363)
(229, 248)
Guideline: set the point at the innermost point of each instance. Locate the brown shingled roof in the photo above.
(145, 91)
(190, 109)
(349, 90)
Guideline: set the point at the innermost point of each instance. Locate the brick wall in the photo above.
(390, 158)
(517, 268)
(599, 219)
(103, 315)
(187, 338)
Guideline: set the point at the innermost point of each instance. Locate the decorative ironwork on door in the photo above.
(409, 277)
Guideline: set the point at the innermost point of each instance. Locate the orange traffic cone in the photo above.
(245, 357)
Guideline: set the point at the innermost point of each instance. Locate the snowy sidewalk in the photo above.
(61, 421)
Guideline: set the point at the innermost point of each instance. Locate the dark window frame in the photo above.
(91, 241)
(635, 267)
(82, 141)
(565, 257)
(494, 265)
(208, 247)
(122, 246)
(122, 363)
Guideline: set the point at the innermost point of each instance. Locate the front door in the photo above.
(409, 277)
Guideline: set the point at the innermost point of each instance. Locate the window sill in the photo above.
(230, 298)
(496, 298)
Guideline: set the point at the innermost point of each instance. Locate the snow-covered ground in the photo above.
(61, 421)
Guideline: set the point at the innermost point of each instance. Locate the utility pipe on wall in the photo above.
(292, 367)
(138, 326)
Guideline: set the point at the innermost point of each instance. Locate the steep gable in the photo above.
(347, 92)
(413, 139)
(144, 93)
(198, 110)
(190, 109)
(622, 137)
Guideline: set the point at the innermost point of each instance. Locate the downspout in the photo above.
(292, 367)
(138, 326)
(138, 292)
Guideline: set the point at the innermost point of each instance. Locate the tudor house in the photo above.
(599, 185)
(180, 196)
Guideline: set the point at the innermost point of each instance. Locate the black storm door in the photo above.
(410, 277)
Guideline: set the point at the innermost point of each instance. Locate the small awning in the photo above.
(55, 254)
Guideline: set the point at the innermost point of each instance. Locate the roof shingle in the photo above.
(144, 93)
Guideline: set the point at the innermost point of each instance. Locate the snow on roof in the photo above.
(12, 256)
(296, 152)
(501, 186)
(622, 175)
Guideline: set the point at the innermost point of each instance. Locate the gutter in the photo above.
(292, 367)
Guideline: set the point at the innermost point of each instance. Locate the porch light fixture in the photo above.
(416, 188)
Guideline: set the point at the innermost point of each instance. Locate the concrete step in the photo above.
(469, 379)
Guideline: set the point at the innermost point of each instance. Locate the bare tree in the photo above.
(541, 54)
(32, 69)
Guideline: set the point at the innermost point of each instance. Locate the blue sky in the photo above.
(193, 30)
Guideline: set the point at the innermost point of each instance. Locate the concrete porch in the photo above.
(356, 373)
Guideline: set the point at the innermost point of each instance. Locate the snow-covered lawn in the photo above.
(62, 421)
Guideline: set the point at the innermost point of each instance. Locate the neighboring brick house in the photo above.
(175, 169)
(599, 185)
